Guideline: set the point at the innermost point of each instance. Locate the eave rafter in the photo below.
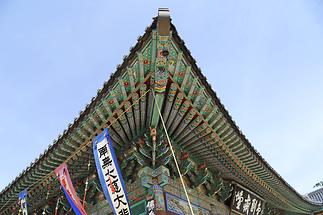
(222, 128)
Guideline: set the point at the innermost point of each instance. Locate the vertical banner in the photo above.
(64, 178)
(23, 201)
(150, 207)
(110, 174)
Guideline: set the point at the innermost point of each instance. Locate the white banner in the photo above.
(110, 174)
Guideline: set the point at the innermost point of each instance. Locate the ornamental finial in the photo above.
(163, 24)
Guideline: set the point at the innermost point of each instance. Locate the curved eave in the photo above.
(9, 195)
(306, 205)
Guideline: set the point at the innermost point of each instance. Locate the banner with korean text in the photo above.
(23, 201)
(110, 174)
(67, 186)
(246, 202)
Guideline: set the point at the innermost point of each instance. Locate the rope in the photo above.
(32, 187)
(86, 182)
(174, 157)
(57, 205)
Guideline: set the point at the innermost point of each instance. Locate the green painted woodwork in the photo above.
(139, 208)
(160, 75)
(225, 192)
(142, 150)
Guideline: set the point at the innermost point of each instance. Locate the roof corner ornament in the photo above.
(163, 23)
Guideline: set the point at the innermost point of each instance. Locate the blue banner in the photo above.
(23, 201)
(110, 175)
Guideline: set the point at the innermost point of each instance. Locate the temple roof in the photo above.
(316, 196)
(218, 140)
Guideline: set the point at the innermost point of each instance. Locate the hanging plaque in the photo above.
(246, 202)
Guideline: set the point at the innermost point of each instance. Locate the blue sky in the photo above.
(263, 58)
